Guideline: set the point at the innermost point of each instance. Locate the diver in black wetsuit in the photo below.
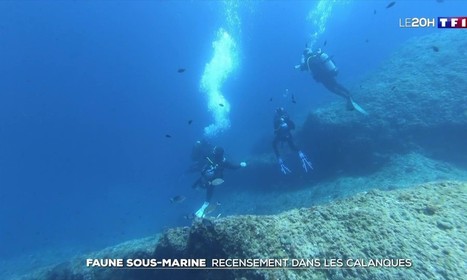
(324, 71)
(283, 126)
(212, 175)
(201, 149)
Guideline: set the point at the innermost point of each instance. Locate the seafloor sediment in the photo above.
(426, 224)
(400, 171)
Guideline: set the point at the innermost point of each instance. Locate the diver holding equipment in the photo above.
(212, 175)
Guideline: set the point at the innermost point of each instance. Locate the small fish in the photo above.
(393, 87)
(325, 42)
(181, 70)
(374, 11)
(189, 122)
(177, 199)
(435, 48)
(212, 207)
(270, 99)
(220, 104)
(440, 1)
(366, 40)
(190, 216)
(168, 136)
(391, 4)
(293, 99)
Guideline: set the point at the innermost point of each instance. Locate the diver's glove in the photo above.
(305, 162)
(284, 168)
(242, 164)
(200, 212)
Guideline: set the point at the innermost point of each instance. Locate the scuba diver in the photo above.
(201, 149)
(324, 71)
(283, 126)
(212, 175)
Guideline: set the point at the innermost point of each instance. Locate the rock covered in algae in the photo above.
(415, 100)
(414, 88)
(426, 224)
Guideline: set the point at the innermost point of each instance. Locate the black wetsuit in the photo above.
(211, 171)
(322, 75)
(200, 151)
(283, 126)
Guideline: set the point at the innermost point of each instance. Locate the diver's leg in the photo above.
(209, 192)
(346, 94)
(196, 184)
(342, 90)
(330, 83)
(292, 144)
(275, 142)
(335, 88)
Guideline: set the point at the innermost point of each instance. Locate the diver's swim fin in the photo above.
(358, 108)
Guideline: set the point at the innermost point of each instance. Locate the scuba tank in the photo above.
(327, 63)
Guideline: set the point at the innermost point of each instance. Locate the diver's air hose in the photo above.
(308, 63)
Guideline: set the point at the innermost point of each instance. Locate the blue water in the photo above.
(89, 90)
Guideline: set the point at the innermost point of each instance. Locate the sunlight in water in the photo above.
(232, 17)
(215, 73)
(318, 17)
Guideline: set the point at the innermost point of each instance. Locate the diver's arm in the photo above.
(230, 165)
(302, 66)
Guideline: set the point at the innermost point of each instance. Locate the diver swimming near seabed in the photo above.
(212, 175)
(201, 149)
(324, 71)
(283, 126)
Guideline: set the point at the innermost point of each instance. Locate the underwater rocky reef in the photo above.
(416, 103)
(423, 224)
(415, 132)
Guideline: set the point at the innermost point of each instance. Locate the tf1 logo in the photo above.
(452, 22)
(442, 22)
